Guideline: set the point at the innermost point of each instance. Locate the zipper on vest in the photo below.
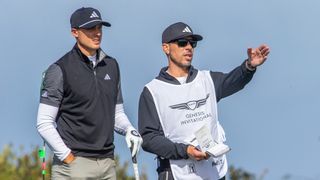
(93, 68)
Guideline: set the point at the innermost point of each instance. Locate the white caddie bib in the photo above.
(182, 110)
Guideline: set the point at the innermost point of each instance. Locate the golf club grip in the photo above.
(135, 165)
(134, 160)
(136, 171)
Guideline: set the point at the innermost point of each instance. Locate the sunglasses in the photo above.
(184, 42)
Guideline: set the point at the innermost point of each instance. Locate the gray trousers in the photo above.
(83, 168)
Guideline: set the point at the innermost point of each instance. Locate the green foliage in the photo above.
(28, 166)
(240, 174)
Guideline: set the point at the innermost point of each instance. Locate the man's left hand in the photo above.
(133, 140)
(257, 56)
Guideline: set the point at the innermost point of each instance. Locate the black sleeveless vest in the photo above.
(86, 116)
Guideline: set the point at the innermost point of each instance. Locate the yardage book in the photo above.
(208, 145)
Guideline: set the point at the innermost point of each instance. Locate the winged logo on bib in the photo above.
(191, 105)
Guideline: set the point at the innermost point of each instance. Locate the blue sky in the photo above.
(272, 125)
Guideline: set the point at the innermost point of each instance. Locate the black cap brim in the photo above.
(94, 23)
(195, 37)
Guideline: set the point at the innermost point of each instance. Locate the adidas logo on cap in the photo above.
(94, 15)
(187, 30)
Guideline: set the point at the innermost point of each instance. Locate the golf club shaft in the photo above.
(135, 166)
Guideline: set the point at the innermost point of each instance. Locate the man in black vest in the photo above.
(81, 105)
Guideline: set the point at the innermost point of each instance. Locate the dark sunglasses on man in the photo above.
(184, 42)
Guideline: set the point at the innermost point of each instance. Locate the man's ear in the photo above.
(166, 48)
(74, 32)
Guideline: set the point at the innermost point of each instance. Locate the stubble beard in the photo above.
(179, 64)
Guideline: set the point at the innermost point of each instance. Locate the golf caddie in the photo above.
(178, 117)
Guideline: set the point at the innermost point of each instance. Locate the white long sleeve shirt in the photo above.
(46, 126)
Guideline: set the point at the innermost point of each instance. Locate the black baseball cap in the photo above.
(86, 17)
(177, 31)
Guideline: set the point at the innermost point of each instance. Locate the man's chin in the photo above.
(96, 47)
(186, 65)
